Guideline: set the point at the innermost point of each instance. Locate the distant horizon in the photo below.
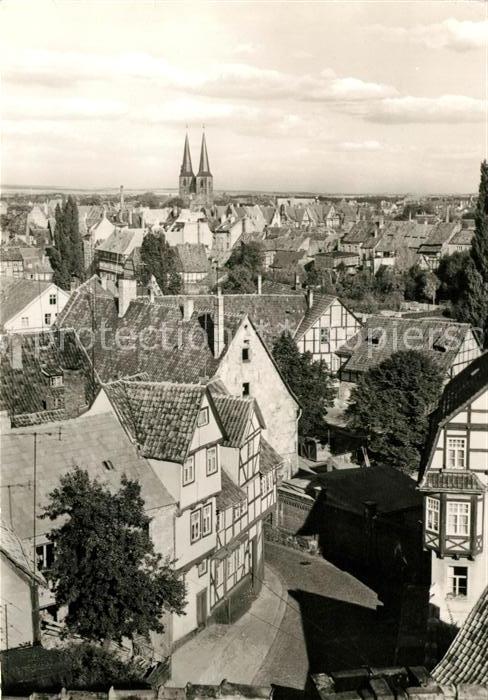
(4, 190)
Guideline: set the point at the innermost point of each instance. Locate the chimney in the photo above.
(188, 306)
(121, 196)
(103, 281)
(218, 330)
(297, 280)
(310, 298)
(448, 213)
(130, 217)
(127, 293)
(260, 284)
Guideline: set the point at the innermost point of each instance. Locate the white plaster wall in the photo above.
(16, 596)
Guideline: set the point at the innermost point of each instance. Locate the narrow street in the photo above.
(331, 621)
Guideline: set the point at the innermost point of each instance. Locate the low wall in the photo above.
(287, 539)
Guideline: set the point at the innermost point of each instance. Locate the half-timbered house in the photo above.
(454, 482)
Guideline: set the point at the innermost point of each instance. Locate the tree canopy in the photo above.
(310, 382)
(390, 407)
(243, 267)
(66, 256)
(105, 569)
(159, 259)
(473, 304)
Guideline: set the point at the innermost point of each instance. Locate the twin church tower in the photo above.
(196, 189)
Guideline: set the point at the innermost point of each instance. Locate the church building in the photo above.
(196, 190)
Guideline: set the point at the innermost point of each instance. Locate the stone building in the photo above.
(196, 189)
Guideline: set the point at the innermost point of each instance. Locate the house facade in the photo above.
(454, 484)
(30, 305)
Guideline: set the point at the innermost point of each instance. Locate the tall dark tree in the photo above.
(473, 305)
(73, 238)
(105, 570)
(390, 407)
(159, 259)
(244, 265)
(310, 382)
(451, 274)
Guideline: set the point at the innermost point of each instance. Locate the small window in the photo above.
(245, 355)
(47, 319)
(456, 453)
(245, 389)
(211, 461)
(458, 580)
(207, 520)
(44, 405)
(45, 556)
(195, 518)
(324, 336)
(375, 337)
(24, 321)
(108, 465)
(202, 417)
(203, 567)
(433, 507)
(52, 299)
(56, 381)
(189, 470)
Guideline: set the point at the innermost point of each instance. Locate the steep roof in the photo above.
(463, 237)
(269, 459)
(442, 232)
(192, 257)
(403, 234)
(230, 494)
(87, 442)
(122, 241)
(461, 390)
(12, 548)
(160, 417)
(440, 339)
(16, 294)
(287, 259)
(466, 659)
(204, 167)
(186, 166)
(360, 232)
(235, 413)
(320, 305)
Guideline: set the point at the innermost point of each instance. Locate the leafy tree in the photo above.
(310, 382)
(88, 666)
(175, 202)
(159, 259)
(389, 281)
(473, 305)
(149, 199)
(106, 571)
(244, 265)
(390, 407)
(451, 274)
(66, 256)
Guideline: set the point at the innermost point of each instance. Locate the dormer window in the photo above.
(375, 337)
(56, 380)
(108, 465)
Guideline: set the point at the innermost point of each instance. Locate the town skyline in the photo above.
(102, 95)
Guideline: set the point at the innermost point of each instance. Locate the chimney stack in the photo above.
(310, 297)
(188, 306)
(218, 330)
(260, 284)
(127, 293)
(448, 213)
(297, 280)
(121, 196)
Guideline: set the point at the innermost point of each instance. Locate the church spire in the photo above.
(186, 166)
(204, 168)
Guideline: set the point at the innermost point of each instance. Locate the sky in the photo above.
(331, 97)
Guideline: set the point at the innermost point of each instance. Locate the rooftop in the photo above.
(16, 294)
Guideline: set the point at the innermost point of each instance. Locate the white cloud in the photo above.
(245, 49)
(458, 35)
(24, 107)
(447, 109)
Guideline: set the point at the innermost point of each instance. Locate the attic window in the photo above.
(202, 417)
(439, 344)
(245, 355)
(245, 389)
(108, 465)
(375, 337)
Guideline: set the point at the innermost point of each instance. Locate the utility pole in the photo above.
(34, 505)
